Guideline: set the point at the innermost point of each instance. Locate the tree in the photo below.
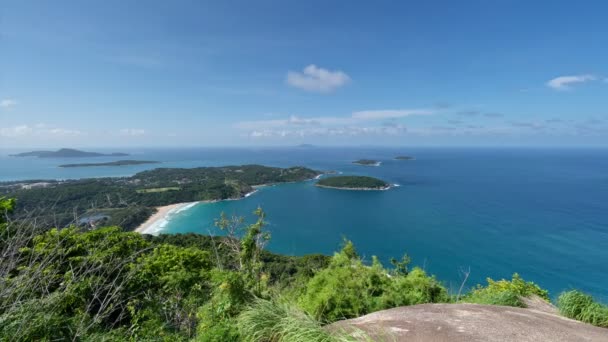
(247, 243)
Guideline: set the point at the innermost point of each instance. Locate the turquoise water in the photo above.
(542, 213)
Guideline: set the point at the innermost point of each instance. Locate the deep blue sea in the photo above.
(540, 212)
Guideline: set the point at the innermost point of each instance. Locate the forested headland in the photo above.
(129, 201)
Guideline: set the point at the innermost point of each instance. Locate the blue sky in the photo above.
(225, 73)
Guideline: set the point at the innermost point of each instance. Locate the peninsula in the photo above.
(66, 153)
(114, 163)
(130, 201)
(353, 183)
(367, 162)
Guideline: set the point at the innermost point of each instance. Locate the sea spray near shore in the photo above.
(157, 222)
(250, 193)
(185, 207)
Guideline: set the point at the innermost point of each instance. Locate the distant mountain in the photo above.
(66, 153)
(306, 146)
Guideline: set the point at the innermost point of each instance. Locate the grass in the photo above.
(506, 298)
(280, 322)
(505, 292)
(153, 190)
(580, 306)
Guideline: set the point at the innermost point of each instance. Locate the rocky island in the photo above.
(404, 158)
(66, 153)
(367, 162)
(114, 163)
(353, 183)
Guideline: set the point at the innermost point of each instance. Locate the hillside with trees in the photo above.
(129, 201)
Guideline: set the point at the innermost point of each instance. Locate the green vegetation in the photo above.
(66, 153)
(367, 162)
(353, 183)
(110, 285)
(577, 305)
(348, 288)
(404, 158)
(274, 321)
(505, 292)
(128, 201)
(153, 190)
(114, 163)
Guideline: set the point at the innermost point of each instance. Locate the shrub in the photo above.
(277, 322)
(347, 288)
(505, 292)
(483, 296)
(577, 305)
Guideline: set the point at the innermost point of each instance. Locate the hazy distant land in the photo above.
(67, 153)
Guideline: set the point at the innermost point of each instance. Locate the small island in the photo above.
(367, 162)
(114, 163)
(66, 153)
(353, 183)
(404, 158)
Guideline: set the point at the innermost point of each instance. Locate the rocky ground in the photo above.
(470, 323)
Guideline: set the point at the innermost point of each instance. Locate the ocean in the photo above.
(540, 212)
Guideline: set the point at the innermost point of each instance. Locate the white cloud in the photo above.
(7, 103)
(565, 82)
(388, 114)
(64, 132)
(349, 131)
(39, 130)
(354, 119)
(315, 79)
(133, 132)
(16, 131)
(295, 120)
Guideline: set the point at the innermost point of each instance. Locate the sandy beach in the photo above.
(155, 222)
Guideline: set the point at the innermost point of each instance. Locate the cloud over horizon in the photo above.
(40, 130)
(354, 119)
(7, 103)
(316, 79)
(566, 82)
(132, 132)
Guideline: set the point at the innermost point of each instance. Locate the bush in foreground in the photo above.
(577, 305)
(505, 292)
(348, 288)
(273, 321)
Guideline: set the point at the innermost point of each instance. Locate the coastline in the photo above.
(258, 186)
(370, 164)
(156, 223)
(357, 189)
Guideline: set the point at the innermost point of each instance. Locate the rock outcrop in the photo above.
(470, 323)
